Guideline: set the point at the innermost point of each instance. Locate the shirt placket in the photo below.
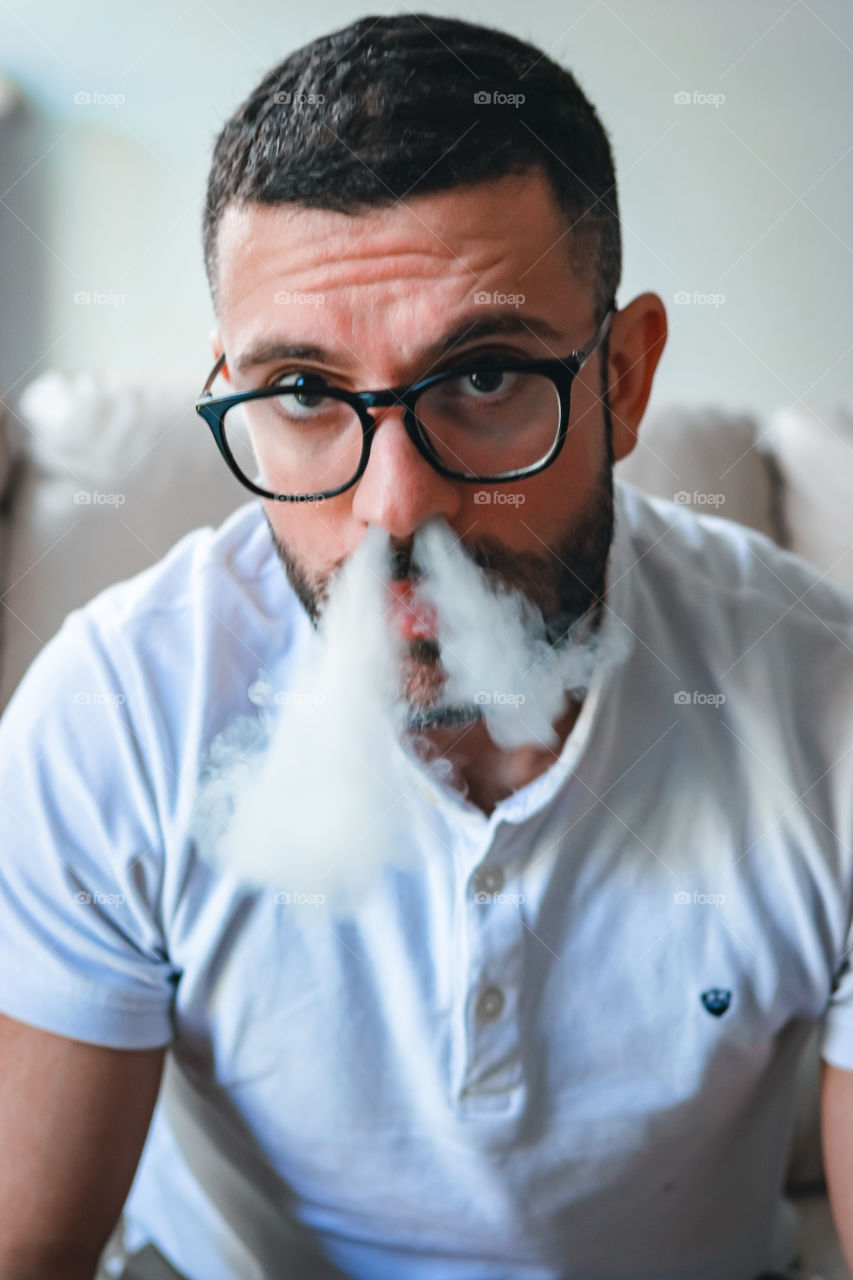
(486, 1062)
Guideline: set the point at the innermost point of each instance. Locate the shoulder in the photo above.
(729, 620)
(703, 563)
(151, 667)
(205, 617)
(235, 560)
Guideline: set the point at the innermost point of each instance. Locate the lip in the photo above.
(413, 617)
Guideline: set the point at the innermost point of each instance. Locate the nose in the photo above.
(399, 490)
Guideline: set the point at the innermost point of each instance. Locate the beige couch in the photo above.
(103, 474)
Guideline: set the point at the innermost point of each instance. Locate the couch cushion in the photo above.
(706, 458)
(813, 450)
(116, 470)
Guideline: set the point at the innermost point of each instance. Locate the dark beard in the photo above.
(565, 585)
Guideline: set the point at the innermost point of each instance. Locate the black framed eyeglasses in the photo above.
(490, 420)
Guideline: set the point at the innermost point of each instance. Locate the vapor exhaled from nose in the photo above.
(315, 795)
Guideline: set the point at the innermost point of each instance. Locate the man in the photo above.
(532, 1050)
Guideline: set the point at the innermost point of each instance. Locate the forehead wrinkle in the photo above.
(334, 246)
(386, 264)
(396, 290)
(372, 223)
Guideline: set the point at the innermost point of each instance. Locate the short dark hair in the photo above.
(390, 107)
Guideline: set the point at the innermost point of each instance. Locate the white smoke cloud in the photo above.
(311, 797)
(494, 647)
(311, 809)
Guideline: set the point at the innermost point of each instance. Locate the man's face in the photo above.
(393, 283)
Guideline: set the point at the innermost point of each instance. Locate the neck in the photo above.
(483, 772)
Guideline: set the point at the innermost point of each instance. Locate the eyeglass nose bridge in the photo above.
(372, 399)
(389, 398)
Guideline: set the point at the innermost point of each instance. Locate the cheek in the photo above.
(576, 474)
(313, 534)
(536, 513)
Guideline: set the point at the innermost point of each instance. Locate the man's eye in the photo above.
(311, 397)
(481, 383)
(489, 380)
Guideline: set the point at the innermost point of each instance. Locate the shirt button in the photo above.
(490, 880)
(490, 1004)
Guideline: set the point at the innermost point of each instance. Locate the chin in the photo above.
(440, 716)
(423, 685)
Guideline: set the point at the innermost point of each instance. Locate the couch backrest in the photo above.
(707, 459)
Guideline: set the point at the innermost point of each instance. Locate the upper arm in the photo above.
(73, 1121)
(837, 1134)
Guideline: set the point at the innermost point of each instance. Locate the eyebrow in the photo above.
(470, 329)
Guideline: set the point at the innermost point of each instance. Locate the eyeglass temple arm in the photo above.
(205, 391)
(599, 337)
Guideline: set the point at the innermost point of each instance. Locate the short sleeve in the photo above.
(82, 949)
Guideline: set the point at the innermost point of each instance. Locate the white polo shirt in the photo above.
(563, 1042)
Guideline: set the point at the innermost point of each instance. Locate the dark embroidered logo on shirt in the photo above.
(717, 1000)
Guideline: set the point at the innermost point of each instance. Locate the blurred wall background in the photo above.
(732, 124)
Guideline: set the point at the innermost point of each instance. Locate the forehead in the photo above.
(411, 263)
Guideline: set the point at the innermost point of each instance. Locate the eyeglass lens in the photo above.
(483, 424)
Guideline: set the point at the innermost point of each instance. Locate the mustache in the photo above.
(487, 554)
(401, 566)
(502, 568)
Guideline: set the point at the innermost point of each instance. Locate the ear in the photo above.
(217, 346)
(637, 339)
